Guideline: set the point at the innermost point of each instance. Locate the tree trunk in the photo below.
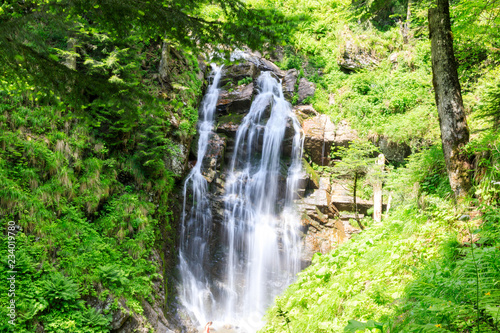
(70, 60)
(377, 191)
(405, 27)
(163, 70)
(355, 201)
(454, 131)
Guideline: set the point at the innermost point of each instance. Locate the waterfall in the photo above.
(260, 240)
(197, 223)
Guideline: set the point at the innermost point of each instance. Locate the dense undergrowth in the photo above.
(88, 190)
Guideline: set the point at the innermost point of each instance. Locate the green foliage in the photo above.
(245, 80)
(356, 159)
(424, 173)
(459, 291)
(365, 277)
(58, 288)
(89, 191)
(355, 326)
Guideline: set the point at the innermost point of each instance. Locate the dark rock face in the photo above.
(235, 73)
(214, 157)
(306, 89)
(236, 100)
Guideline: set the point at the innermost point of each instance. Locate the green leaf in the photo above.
(355, 326)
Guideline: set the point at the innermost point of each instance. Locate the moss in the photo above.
(313, 176)
(230, 118)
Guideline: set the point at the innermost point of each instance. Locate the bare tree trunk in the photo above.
(163, 70)
(405, 27)
(355, 201)
(389, 201)
(377, 191)
(454, 131)
(70, 60)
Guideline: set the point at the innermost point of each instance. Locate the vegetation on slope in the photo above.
(89, 197)
(426, 266)
(90, 135)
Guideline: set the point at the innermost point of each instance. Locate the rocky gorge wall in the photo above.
(320, 199)
(322, 227)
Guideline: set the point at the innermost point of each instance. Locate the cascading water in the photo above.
(260, 240)
(197, 223)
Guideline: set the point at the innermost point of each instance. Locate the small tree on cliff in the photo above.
(355, 161)
(454, 131)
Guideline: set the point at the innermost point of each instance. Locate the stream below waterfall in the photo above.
(257, 252)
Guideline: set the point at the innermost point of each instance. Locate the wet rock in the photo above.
(237, 100)
(214, 156)
(266, 65)
(238, 72)
(289, 82)
(306, 89)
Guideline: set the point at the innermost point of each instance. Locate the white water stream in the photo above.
(260, 241)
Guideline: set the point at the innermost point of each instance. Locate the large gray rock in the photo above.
(237, 72)
(306, 89)
(236, 100)
(355, 57)
(289, 82)
(393, 151)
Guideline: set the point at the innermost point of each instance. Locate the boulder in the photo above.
(355, 57)
(393, 151)
(306, 89)
(289, 82)
(238, 72)
(236, 100)
(266, 65)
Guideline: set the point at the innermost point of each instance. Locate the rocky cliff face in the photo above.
(321, 226)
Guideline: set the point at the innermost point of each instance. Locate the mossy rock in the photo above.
(311, 173)
(235, 118)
